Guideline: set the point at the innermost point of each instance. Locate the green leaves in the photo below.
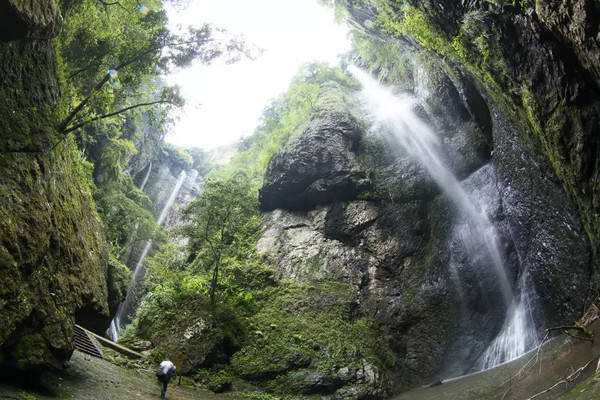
(222, 218)
(223, 223)
(124, 211)
(115, 155)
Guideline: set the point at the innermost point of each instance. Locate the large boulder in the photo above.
(195, 336)
(393, 258)
(320, 167)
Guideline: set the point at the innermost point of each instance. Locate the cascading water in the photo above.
(135, 284)
(143, 185)
(133, 234)
(517, 335)
(394, 115)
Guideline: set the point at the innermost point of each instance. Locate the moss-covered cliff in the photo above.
(52, 249)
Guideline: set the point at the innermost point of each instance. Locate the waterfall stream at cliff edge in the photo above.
(393, 115)
(132, 297)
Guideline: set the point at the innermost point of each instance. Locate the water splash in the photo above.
(135, 288)
(394, 115)
(517, 336)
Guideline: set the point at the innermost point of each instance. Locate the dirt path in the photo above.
(90, 378)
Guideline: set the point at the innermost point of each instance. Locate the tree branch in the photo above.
(79, 71)
(106, 4)
(112, 114)
(63, 125)
(568, 379)
(588, 335)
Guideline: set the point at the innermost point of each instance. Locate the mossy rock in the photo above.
(299, 341)
(52, 250)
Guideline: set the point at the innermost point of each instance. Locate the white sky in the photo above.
(224, 102)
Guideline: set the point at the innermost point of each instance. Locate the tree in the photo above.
(112, 49)
(222, 227)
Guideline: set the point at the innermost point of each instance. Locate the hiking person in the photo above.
(164, 374)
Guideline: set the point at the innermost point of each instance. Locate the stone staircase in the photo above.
(85, 344)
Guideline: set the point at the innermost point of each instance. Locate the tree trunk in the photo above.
(213, 285)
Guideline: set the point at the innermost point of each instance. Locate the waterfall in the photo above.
(132, 236)
(143, 185)
(394, 115)
(134, 290)
(517, 335)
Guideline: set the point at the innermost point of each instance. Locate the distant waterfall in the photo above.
(394, 114)
(143, 185)
(134, 290)
(133, 234)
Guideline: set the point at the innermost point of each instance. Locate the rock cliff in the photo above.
(52, 252)
(320, 168)
(538, 61)
(399, 241)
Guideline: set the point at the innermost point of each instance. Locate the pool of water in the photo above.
(522, 378)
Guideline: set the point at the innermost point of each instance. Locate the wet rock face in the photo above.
(540, 62)
(37, 19)
(576, 21)
(545, 228)
(458, 115)
(528, 77)
(456, 111)
(321, 168)
(52, 251)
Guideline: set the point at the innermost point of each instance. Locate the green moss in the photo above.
(389, 61)
(179, 158)
(589, 389)
(52, 250)
(217, 381)
(301, 327)
(117, 280)
(27, 396)
(258, 396)
(546, 134)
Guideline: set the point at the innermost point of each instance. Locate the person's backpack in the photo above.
(160, 374)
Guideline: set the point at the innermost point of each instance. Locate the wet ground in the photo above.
(91, 378)
(564, 368)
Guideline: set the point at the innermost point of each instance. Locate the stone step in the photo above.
(88, 349)
(102, 341)
(84, 343)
